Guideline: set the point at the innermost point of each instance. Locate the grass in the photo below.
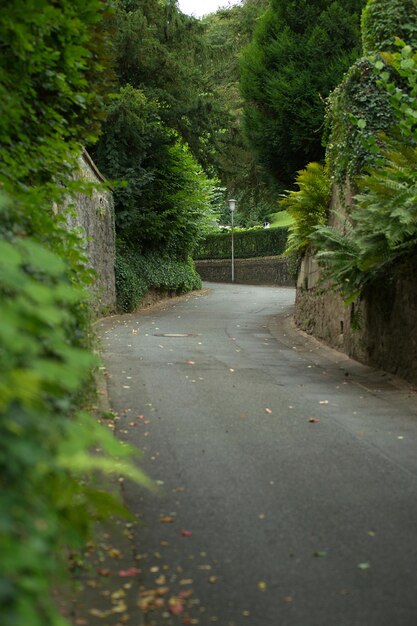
(280, 219)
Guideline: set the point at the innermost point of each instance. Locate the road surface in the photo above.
(286, 473)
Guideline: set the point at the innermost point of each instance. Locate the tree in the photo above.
(298, 54)
(165, 199)
(160, 51)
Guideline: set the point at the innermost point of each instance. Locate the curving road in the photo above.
(287, 473)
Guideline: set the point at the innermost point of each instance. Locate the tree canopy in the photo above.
(299, 52)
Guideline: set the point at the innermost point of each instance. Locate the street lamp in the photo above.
(232, 207)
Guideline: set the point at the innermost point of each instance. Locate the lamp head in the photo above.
(232, 205)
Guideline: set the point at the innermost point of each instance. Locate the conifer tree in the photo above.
(298, 54)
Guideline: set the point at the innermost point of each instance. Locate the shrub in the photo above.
(247, 243)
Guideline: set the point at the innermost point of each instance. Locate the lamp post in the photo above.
(232, 207)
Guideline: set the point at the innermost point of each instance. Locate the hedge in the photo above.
(250, 243)
(136, 274)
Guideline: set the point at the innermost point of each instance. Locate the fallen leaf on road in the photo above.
(176, 607)
(262, 585)
(314, 420)
(167, 519)
(115, 554)
(132, 571)
(213, 580)
(187, 593)
(98, 613)
(186, 581)
(268, 411)
(320, 553)
(364, 566)
(121, 607)
(103, 571)
(186, 533)
(118, 595)
(190, 362)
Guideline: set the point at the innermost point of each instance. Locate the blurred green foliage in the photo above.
(52, 57)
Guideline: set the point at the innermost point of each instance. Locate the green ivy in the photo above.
(356, 110)
(384, 19)
(383, 225)
(136, 274)
(359, 108)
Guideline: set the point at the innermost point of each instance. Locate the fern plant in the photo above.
(308, 206)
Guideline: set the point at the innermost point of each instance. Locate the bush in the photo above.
(136, 274)
(247, 243)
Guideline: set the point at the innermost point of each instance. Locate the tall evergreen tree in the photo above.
(298, 54)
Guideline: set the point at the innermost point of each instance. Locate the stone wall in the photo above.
(94, 215)
(380, 330)
(271, 270)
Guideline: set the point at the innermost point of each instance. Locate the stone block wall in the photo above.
(94, 215)
(271, 270)
(380, 330)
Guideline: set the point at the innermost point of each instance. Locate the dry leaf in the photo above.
(115, 554)
(167, 519)
(103, 571)
(176, 607)
(268, 411)
(186, 533)
(314, 420)
(132, 571)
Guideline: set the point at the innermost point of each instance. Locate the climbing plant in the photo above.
(383, 224)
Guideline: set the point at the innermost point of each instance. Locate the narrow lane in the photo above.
(287, 476)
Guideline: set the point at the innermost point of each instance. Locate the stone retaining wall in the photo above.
(271, 270)
(380, 330)
(94, 215)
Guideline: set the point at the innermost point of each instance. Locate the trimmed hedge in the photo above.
(247, 244)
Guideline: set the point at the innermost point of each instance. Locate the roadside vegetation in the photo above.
(276, 104)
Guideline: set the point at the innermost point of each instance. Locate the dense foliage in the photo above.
(382, 227)
(166, 198)
(299, 53)
(309, 205)
(136, 275)
(248, 243)
(51, 57)
(360, 107)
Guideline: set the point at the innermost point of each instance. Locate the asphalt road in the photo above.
(287, 474)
